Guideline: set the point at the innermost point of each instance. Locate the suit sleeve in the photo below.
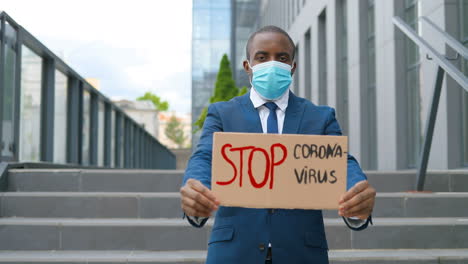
(354, 171)
(199, 165)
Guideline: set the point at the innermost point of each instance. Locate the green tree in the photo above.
(175, 131)
(158, 103)
(225, 90)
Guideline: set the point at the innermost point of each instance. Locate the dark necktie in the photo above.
(272, 121)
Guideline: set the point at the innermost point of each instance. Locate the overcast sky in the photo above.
(130, 46)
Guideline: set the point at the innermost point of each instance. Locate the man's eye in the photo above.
(261, 58)
(283, 59)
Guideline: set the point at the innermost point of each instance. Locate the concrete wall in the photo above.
(297, 17)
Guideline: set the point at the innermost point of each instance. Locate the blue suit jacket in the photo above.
(241, 235)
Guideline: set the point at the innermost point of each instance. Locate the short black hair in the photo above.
(269, 28)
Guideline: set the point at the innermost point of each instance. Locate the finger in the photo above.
(364, 207)
(357, 199)
(359, 187)
(193, 204)
(199, 187)
(199, 197)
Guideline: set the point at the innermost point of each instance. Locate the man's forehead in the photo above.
(267, 40)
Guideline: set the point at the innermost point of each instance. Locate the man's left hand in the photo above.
(358, 201)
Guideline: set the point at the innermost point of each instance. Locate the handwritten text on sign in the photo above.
(279, 171)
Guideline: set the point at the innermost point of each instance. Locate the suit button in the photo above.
(261, 246)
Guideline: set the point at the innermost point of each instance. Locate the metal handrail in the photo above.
(444, 66)
(451, 41)
(449, 68)
(144, 150)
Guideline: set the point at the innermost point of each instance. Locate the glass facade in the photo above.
(322, 57)
(308, 66)
(30, 109)
(60, 117)
(342, 67)
(112, 136)
(85, 158)
(211, 36)
(370, 93)
(100, 141)
(9, 72)
(246, 16)
(464, 39)
(412, 76)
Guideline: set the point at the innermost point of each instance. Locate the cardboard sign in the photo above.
(279, 171)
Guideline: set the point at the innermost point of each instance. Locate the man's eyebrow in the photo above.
(283, 54)
(261, 52)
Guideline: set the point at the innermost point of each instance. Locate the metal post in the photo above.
(73, 117)
(48, 98)
(18, 64)
(94, 141)
(118, 140)
(2, 81)
(107, 135)
(424, 157)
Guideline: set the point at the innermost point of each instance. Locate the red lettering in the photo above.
(273, 163)
(241, 159)
(223, 153)
(267, 168)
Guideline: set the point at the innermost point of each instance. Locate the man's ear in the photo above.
(293, 69)
(247, 69)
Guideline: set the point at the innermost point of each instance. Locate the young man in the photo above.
(244, 235)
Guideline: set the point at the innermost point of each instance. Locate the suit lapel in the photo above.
(293, 115)
(253, 123)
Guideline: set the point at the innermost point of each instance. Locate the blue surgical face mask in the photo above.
(271, 79)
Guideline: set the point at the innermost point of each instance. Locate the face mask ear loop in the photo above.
(250, 77)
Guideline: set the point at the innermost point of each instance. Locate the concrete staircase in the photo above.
(118, 216)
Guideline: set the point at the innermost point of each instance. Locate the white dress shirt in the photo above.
(282, 103)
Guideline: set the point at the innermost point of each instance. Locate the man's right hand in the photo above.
(197, 200)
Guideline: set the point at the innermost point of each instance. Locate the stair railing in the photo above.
(444, 67)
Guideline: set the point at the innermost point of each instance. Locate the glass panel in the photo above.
(8, 103)
(30, 109)
(86, 125)
(112, 134)
(100, 140)
(465, 20)
(413, 121)
(60, 117)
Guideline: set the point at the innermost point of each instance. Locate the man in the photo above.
(245, 235)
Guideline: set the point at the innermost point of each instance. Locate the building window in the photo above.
(322, 57)
(60, 117)
(412, 78)
(342, 66)
(86, 128)
(296, 79)
(30, 111)
(101, 124)
(369, 108)
(464, 39)
(308, 66)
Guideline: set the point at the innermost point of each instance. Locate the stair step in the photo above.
(116, 180)
(176, 234)
(90, 204)
(167, 205)
(403, 256)
(405, 180)
(73, 180)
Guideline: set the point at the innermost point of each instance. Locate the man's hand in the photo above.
(197, 200)
(358, 201)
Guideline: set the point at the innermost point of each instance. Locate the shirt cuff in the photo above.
(197, 220)
(355, 222)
